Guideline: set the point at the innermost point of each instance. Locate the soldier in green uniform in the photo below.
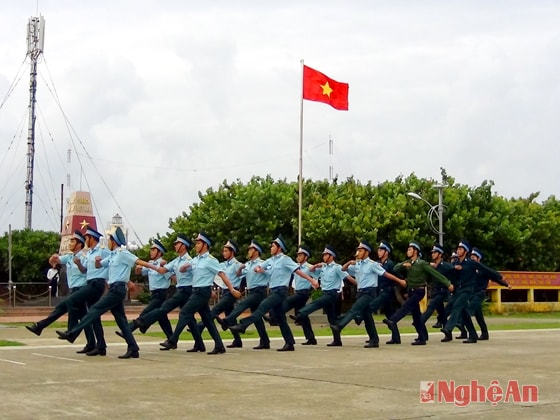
(418, 273)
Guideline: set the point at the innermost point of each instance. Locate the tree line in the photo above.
(515, 234)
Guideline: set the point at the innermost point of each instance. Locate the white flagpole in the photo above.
(300, 199)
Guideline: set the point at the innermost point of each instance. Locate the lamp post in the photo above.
(435, 210)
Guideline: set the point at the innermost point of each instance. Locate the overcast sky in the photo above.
(169, 98)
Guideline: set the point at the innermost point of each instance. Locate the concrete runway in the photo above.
(46, 378)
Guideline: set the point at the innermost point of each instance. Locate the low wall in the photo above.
(531, 292)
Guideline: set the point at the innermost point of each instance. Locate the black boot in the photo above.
(130, 354)
(35, 329)
(287, 347)
(463, 334)
(448, 336)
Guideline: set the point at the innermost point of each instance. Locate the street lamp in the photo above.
(435, 210)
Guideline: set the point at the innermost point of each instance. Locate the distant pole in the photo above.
(35, 43)
(61, 206)
(440, 188)
(432, 212)
(300, 185)
(10, 255)
(10, 282)
(331, 167)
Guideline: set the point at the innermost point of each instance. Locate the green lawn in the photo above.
(520, 321)
(6, 343)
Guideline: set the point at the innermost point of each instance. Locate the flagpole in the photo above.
(300, 196)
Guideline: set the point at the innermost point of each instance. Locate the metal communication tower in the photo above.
(35, 44)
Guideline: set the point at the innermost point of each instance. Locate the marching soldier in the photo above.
(479, 295)
(439, 293)
(118, 263)
(332, 278)
(183, 288)
(366, 273)
(230, 267)
(468, 270)
(257, 285)
(281, 267)
(76, 274)
(158, 284)
(418, 273)
(204, 268)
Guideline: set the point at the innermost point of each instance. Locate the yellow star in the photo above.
(83, 224)
(326, 89)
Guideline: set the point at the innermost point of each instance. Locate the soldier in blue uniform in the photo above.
(366, 273)
(386, 287)
(76, 275)
(118, 263)
(204, 268)
(158, 284)
(332, 278)
(230, 267)
(302, 292)
(439, 293)
(92, 291)
(479, 295)
(466, 280)
(183, 282)
(281, 267)
(257, 286)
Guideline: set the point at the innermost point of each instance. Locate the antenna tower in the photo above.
(35, 44)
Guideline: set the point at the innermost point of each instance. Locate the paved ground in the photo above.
(47, 379)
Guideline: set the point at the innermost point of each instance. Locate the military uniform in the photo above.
(302, 292)
(332, 277)
(91, 292)
(366, 273)
(227, 300)
(183, 289)
(439, 293)
(281, 267)
(204, 268)
(418, 273)
(464, 289)
(118, 264)
(479, 295)
(257, 285)
(385, 289)
(76, 280)
(159, 285)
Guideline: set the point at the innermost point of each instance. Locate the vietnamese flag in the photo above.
(320, 88)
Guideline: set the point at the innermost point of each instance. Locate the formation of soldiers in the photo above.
(461, 282)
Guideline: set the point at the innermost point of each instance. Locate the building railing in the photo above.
(35, 294)
(531, 292)
(20, 293)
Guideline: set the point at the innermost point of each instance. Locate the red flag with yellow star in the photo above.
(320, 88)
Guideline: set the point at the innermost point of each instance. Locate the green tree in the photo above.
(515, 234)
(31, 250)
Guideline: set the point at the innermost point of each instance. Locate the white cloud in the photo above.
(172, 97)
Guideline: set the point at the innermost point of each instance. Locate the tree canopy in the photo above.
(31, 250)
(517, 234)
(514, 234)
